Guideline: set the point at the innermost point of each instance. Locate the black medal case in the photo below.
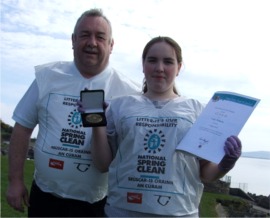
(94, 113)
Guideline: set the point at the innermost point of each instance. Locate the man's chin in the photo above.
(90, 62)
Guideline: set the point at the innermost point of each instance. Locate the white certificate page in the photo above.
(225, 114)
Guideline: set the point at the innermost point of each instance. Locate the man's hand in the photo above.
(17, 196)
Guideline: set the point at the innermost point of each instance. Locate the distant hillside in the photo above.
(6, 131)
(257, 154)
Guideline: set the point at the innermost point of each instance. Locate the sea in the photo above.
(251, 175)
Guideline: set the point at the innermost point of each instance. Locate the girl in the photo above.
(147, 176)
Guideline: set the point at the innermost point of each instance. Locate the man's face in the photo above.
(92, 45)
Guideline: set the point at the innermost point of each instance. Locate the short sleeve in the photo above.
(26, 112)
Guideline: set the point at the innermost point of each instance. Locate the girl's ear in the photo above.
(179, 68)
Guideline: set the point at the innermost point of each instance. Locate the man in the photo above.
(66, 184)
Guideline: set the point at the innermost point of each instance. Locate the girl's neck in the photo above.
(156, 96)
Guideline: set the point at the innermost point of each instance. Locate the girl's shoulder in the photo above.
(189, 102)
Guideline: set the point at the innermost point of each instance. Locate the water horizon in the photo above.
(251, 175)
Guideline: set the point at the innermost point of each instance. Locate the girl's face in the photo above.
(160, 68)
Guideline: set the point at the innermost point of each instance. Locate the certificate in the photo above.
(225, 114)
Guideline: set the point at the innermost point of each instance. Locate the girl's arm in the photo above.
(100, 149)
(211, 171)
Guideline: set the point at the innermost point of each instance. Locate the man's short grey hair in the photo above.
(95, 12)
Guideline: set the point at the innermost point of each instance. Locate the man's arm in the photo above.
(18, 148)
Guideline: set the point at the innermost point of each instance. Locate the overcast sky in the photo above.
(225, 47)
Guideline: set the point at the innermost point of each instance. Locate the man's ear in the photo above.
(112, 44)
(73, 39)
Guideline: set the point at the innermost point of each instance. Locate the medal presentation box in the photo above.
(92, 102)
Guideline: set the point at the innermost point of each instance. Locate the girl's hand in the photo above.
(233, 150)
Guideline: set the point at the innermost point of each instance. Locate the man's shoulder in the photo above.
(54, 65)
(120, 78)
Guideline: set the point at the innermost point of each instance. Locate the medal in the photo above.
(93, 118)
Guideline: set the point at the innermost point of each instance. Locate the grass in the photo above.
(208, 203)
(6, 210)
(207, 207)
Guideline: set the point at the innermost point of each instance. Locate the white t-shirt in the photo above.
(63, 163)
(147, 174)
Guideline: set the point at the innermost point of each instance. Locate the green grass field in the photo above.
(207, 207)
(6, 210)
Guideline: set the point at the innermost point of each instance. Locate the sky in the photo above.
(225, 45)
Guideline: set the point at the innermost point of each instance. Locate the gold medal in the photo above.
(93, 118)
